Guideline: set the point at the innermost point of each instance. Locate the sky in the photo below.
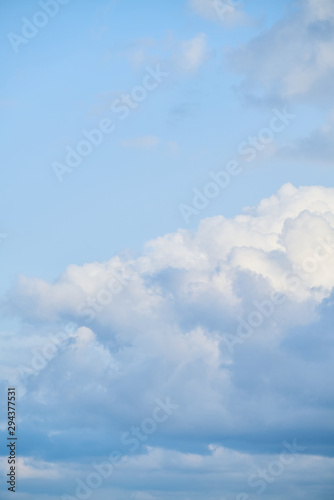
(167, 248)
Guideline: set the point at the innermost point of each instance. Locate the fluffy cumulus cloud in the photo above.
(229, 328)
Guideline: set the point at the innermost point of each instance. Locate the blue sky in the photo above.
(62, 82)
(139, 211)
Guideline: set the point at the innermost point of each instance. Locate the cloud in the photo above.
(293, 62)
(33, 469)
(233, 322)
(294, 59)
(159, 474)
(317, 147)
(191, 54)
(181, 57)
(146, 142)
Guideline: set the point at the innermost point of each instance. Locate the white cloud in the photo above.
(160, 473)
(191, 54)
(156, 325)
(31, 468)
(258, 241)
(180, 57)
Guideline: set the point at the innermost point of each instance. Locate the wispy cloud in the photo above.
(294, 58)
(191, 54)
